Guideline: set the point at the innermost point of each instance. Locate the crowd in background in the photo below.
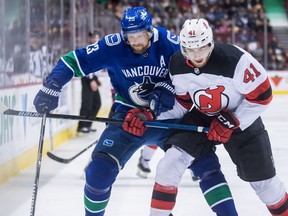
(240, 22)
(54, 27)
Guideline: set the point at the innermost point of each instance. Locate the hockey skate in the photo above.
(143, 168)
(194, 178)
(83, 176)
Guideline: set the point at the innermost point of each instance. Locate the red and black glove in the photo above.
(134, 121)
(222, 126)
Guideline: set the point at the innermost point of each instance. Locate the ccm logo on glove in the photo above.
(226, 122)
(222, 126)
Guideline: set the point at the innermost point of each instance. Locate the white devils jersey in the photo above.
(232, 79)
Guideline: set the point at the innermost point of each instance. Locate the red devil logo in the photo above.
(211, 101)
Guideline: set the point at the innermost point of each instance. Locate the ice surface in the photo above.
(61, 188)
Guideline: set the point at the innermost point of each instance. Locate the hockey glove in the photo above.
(222, 126)
(162, 98)
(134, 121)
(47, 98)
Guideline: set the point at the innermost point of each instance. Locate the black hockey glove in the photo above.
(162, 97)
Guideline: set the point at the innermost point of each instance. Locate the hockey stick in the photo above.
(6, 111)
(38, 165)
(68, 160)
(152, 124)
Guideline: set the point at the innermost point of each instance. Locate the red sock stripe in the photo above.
(163, 198)
(281, 208)
(162, 205)
(165, 189)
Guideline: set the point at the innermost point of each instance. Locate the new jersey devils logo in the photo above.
(211, 100)
(140, 91)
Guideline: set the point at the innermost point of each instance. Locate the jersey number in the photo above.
(92, 48)
(250, 76)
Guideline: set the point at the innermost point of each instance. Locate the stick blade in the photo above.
(68, 160)
(58, 159)
(3, 108)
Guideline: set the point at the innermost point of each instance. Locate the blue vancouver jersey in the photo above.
(133, 76)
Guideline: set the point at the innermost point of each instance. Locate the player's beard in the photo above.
(140, 48)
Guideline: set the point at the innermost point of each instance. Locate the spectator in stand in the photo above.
(37, 63)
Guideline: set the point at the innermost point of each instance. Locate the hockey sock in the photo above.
(170, 170)
(217, 194)
(100, 176)
(281, 208)
(213, 185)
(95, 200)
(163, 199)
(148, 152)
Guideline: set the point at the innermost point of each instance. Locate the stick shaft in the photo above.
(154, 124)
(165, 125)
(60, 116)
(38, 165)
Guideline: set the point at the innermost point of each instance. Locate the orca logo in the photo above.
(140, 91)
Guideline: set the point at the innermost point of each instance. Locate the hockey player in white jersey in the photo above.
(222, 87)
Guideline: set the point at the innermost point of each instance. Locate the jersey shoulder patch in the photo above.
(163, 34)
(113, 39)
(172, 37)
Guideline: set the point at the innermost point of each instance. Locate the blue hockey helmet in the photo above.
(135, 19)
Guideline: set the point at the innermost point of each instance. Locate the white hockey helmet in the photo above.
(195, 33)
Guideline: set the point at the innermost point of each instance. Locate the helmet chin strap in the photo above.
(211, 49)
(150, 35)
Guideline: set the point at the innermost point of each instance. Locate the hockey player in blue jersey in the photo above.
(137, 62)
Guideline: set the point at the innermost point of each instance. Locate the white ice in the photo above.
(60, 190)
